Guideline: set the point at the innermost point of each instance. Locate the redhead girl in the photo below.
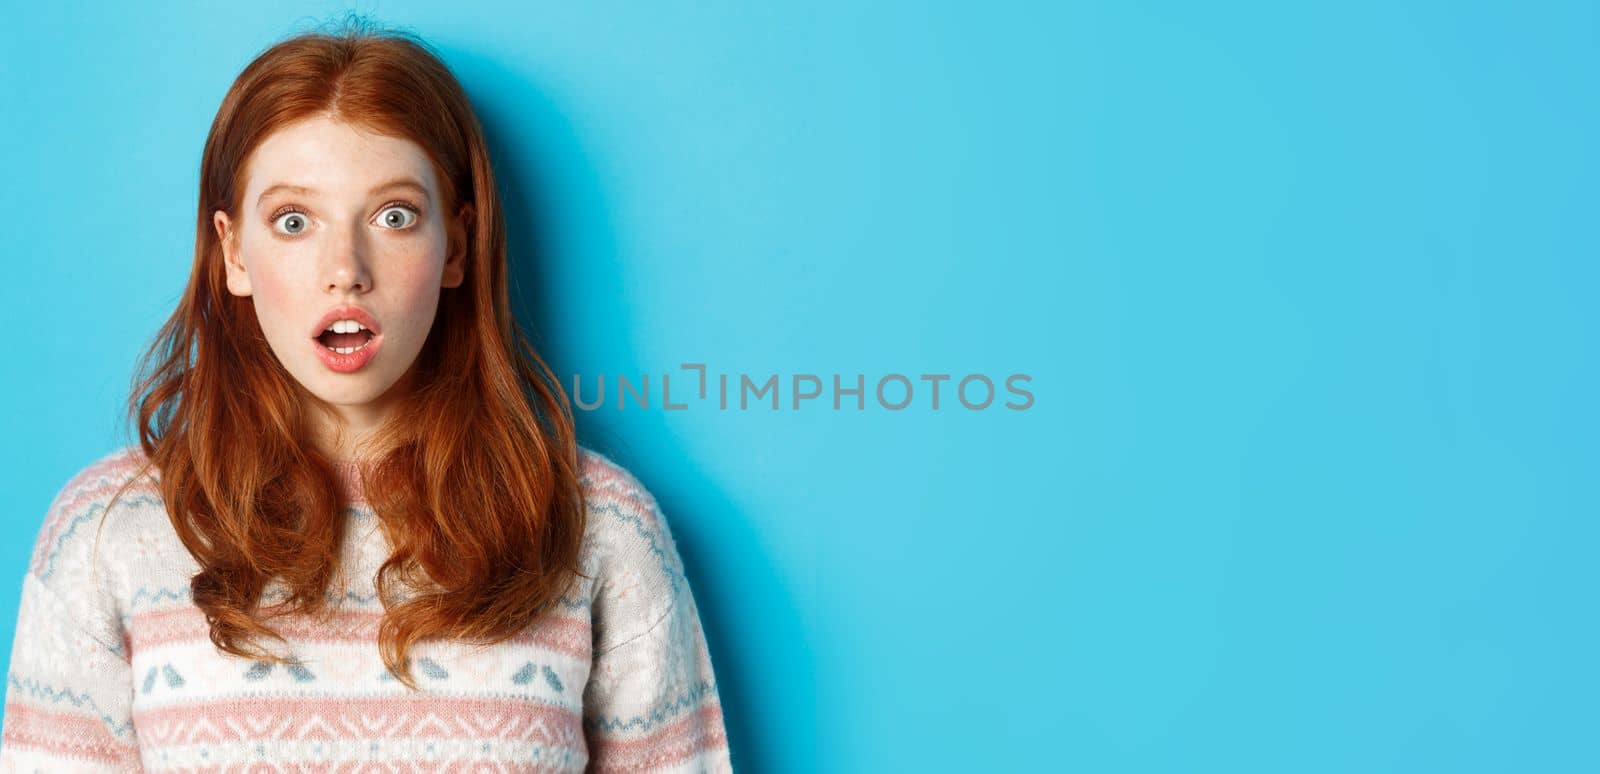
(356, 532)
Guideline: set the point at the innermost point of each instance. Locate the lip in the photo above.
(348, 363)
(347, 312)
(354, 361)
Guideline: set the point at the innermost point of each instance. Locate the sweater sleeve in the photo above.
(651, 703)
(68, 694)
(69, 689)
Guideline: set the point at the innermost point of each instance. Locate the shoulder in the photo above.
(629, 546)
(77, 548)
(623, 515)
(606, 483)
(83, 502)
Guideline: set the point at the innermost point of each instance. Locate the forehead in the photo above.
(334, 157)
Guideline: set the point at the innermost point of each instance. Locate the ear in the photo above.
(455, 264)
(238, 279)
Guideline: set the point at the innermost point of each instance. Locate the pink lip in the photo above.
(348, 363)
(354, 361)
(346, 312)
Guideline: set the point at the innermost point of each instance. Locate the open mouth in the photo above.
(345, 343)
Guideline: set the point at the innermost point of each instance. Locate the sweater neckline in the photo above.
(347, 476)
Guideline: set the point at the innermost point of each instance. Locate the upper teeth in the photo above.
(346, 326)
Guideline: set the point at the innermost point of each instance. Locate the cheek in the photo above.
(418, 293)
(415, 274)
(273, 296)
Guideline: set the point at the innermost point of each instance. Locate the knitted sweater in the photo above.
(113, 669)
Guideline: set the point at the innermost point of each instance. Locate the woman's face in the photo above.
(336, 223)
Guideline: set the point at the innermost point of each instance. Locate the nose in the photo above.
(345, 266)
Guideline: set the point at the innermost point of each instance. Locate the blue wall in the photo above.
(1306, 298)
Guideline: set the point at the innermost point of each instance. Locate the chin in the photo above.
(346, 390)
(353, 396)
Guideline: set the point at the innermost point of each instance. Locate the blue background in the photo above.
(1306, 296)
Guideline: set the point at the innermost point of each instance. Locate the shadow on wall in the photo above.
(537, 154)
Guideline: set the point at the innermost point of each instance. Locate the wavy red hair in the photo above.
(476, 485)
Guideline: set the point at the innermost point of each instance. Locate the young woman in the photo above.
(356, 527)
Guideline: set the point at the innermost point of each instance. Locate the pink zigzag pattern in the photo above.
(343, 718)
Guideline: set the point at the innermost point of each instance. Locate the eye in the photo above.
(291, 222)
(397, 216)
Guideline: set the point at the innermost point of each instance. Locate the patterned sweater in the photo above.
(113, 669)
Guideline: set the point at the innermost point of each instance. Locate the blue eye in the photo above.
(293, 222)
(397, 217)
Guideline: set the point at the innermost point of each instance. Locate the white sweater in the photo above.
(112, 667)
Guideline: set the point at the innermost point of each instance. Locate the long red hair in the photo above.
(477, 488)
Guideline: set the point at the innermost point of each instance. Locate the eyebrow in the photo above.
(400, 182)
